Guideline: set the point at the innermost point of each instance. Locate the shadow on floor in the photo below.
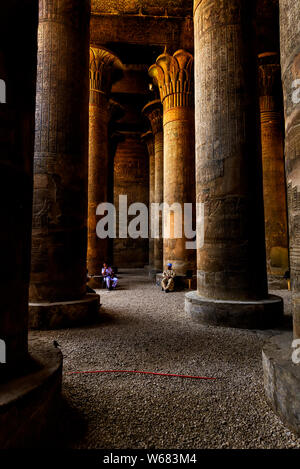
(70, 429)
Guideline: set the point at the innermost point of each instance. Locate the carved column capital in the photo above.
(153, 111)
(269, 74)
(105, 69)
(173, 74)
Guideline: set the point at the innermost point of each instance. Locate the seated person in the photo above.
(167, 283)
(109, 277)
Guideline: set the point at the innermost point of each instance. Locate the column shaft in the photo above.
(114, 139)
(98, 180)
(179, 180)
(231, 277)
(159, 195)
(173, 75)
(290, 69)
(16, 178)
(273, 166)
(154, 112)
(281, 375)
(103, 64)
(231, 261)
(59, 235)
(148, 139)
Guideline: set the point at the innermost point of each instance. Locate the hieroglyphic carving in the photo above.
(226, 152)
(61, 144)
(290, 61)
(270, 90)
(105, 68)
(69, 12)
(149, 140)
(173, 74)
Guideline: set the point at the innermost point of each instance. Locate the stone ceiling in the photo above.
(145, 7)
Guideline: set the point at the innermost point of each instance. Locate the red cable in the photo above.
(141, 372)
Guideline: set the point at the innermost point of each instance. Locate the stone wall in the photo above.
(131, 174)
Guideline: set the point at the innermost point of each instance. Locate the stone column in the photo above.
(114, 139)
(16, 178)
(174, 76)
(104, 67)
(29, 394)
(116, 112)
(280, 354)
(149, 141)
(153, 111)
(231, 277)
(273, 168)
(59, 244)
(290, 69)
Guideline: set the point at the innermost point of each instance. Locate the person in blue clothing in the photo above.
(109, 277)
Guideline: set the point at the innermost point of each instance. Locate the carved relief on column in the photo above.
(290, 71)
(105, 68)
(116, 112)
(272, 140)
(153, 111)
(231, 264)
(60, 161)
(231, 261)
(149, 141)
(173, 74)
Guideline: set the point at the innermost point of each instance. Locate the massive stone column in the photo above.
(153, 111)
(290, 69)
(280, 354)
(59, 244)
(104, 68)
(174, 77)
(16, 162)
(28, 393)
(231, 277)
(273, 168)
(149, 141)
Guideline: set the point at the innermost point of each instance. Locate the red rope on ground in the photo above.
(141, 372)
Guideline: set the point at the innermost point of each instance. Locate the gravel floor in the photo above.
(144, 329)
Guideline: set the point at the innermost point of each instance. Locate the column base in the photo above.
(282, 380)
(181, 282)
(30, 404)
(64, 314)
(241, 314)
